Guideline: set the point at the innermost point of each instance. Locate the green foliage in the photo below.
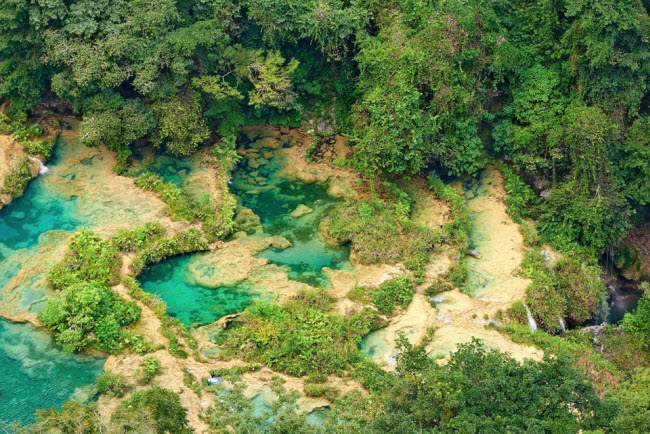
(521, 198)
(233, 411)
(39, 147)
(517, 313)
(130, 240)
(635, 323)
(299, 338)
(321, 390)
(633, 400)
(570, 289)
(395, 292)
(74, 417)
(152, 410)
(86, 315)
(188, 241)
(89, 258)
(548, 396)
(216, 219)
(112, 384)
(148, 369)
(458, 230)
(16, 180)
(271, 81)
(181, 125)
(116, 123)
(380, 230)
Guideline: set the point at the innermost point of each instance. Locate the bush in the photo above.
(112, 384)
(457, 232)
(183, 242)
(39, 147)
(517, 312)
(571, 290)
(298, 338)
(148, 369)
(16, 180)
(322, 390)
(380, 230)
(154, 410)
(89, 315)
(89, 258)
(216, 219)
(395, 292)
(130, 240)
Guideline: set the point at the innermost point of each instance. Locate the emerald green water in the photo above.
(272, 198)
(34, 374)
(274, 202)
(191, 303)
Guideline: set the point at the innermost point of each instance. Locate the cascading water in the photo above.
(42, 168)
(531, 321)
(562, 325)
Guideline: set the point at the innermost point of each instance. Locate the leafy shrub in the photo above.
(380, 231)
(155, 410)
(74, 417)
(395, 292)
(148, 369)
(321, 390)
(112, 384)
(570, 290)
(517, 312)
(89, 258)
(637, 323)
(130, 240)
(39, 147)
(183, 242)
(298, 338)
(521, 201)
(16, 180)
(458, 273)
(216, 219)
(457, 231)
(437, 287)
(89, 315)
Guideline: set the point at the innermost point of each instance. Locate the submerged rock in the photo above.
(301, 210)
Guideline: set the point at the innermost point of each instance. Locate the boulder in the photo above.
(301, 210)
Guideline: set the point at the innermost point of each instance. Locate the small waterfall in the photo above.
(562, 325)
(42, 168)
(531, 321)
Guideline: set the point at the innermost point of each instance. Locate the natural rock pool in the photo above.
(277, 241)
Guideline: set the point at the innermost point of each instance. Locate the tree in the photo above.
(181, 125)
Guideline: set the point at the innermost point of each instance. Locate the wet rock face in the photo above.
(633, 258)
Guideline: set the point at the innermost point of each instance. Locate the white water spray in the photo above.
(531, 321)
(562, 325)
(42, 168)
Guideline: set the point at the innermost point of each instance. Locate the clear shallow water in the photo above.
(272, 198)
(172, 169)
(189, 302)
(34, 374)
(273, 202)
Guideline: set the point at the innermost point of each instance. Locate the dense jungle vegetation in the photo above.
(556, 91)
